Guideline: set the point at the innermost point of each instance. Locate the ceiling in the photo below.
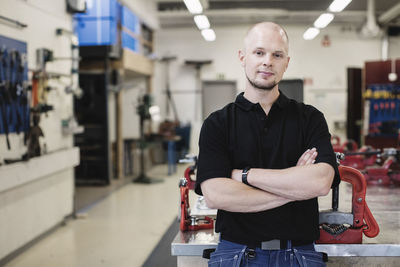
(173, 13)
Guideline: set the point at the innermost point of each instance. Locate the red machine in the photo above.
(187, 222)
(347, 228)
(191, 170)
(365, 156)
(388, 173)
(349, 145)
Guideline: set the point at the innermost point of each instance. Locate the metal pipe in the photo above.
(385, 46)
(16, 22)
(390, 14)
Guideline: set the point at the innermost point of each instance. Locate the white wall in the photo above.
(30, 209)
(325, 66)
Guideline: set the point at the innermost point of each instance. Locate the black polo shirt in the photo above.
(241, 135)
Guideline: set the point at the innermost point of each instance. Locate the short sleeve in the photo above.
(214, 160)
(318, 136)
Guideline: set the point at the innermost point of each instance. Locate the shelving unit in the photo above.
(121, 54)
(381, 104)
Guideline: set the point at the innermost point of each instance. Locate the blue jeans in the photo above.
(237, 255)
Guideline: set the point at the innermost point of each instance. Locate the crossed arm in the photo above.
(304, 181)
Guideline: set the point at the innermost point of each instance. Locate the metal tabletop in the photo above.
(384, 203)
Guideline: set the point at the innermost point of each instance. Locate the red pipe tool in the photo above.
(347, 228)
(187, 222)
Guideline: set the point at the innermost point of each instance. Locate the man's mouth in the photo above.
(266, 73)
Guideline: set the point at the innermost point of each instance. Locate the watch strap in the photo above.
(244, 175)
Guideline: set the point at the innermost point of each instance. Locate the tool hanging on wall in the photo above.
(40, 80)
(32, 137)
(18, 91)
(14, 109)
(348, 228)
(5, 96)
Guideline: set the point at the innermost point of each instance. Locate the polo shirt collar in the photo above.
(245, 104)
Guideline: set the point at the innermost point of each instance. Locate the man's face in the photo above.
(265, 57)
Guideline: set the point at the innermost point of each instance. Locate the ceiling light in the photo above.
(208, 34)
(323, 20)
(310, 33)
(202, 22)
(338, 5)
(193, 6)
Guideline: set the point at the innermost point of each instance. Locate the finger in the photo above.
(301, 161)
(308, 157)
(312, 158)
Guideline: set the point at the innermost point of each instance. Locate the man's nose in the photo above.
(267, 59)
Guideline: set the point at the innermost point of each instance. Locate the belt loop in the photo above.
(289, 244)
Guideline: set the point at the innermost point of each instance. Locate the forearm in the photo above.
(296, 183)
(230, 195)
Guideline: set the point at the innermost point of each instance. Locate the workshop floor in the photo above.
(120, 230)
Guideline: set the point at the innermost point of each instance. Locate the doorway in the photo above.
(216, 94)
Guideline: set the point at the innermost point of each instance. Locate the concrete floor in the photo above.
(120, 230)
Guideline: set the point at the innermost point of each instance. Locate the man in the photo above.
(263, 161)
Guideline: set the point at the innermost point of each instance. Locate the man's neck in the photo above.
(265, 97)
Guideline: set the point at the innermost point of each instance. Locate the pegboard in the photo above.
(14, 100)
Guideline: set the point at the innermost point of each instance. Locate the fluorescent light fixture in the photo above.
(338, 5)
(323, 20)
(208, 34)
(193, 6)
(310, 33)
(202, 22)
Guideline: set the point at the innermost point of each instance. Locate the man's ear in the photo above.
(241, 57)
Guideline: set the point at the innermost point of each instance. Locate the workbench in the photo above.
(383, 250)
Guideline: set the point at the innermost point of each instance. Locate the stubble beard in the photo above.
(267, 87)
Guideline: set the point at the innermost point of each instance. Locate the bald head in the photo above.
(266, 27)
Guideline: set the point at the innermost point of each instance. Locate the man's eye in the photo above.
(278, 55)
(259, 53)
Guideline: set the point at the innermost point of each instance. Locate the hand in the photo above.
(308, 157)
(237, 175)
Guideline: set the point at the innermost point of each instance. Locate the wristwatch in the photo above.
(244, 175)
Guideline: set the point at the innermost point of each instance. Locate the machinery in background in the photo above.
(361, 158)
(348, 228)
(188, 222)
(349, 145)
(386, 174)
(143, 110)
(190, 171)
(379, 166)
